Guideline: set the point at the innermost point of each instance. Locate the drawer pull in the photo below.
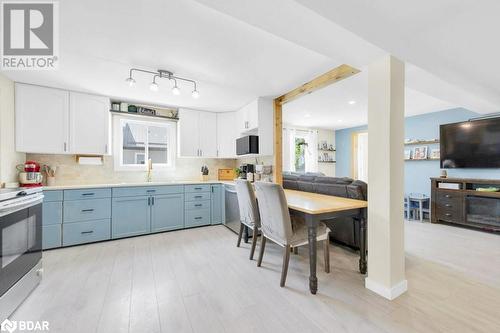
(87, 194)
(198, 218)
(448, 214)
(151, 191)
(198, 196)
(87, 210)
(448, 205)
(448, 196)
(87, 232)
(198, 205)
(198, 188)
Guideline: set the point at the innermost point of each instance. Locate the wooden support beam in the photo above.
(278, 146)
(335, 75)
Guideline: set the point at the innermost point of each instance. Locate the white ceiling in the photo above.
(240, 50)
(329, 108)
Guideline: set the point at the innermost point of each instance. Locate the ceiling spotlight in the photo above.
(339, 121)
(154, 86)
(130, 81)
(352, 102)
(307, 115)
(195, 94)
(175, 89)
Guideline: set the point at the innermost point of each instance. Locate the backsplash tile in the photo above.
(69, 172)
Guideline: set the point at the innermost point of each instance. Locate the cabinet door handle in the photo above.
(152, 201)
(448, 196)
(149, 201)
(87, 232)
(87, 194)
(198, 205)
(447, 205)
(106, 148)
(198, 218)
(87, 210)
(448, 214)
(65, 146)
(201, 152)
(198, 188)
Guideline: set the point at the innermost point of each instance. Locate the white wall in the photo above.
(9, 158)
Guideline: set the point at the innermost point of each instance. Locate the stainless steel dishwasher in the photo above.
(232, 210)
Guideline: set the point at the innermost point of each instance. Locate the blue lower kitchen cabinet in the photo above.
(130, 216)
(167, 212)
(217, 203)
(52, 219)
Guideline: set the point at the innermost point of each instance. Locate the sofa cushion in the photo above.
(306, 186)
(333, 180)
(357, 190)
(338, 190)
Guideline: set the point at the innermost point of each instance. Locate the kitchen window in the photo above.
(136, 141)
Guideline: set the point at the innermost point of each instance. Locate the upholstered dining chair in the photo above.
(249, 212)
(276, 226)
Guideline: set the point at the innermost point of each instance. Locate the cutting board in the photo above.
(226, 174)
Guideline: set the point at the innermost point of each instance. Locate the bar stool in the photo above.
(249, 212)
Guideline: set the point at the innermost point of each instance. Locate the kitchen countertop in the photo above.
(129, 184)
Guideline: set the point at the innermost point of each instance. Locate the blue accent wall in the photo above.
(417, 173)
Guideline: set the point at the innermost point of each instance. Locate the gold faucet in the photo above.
(150, 167)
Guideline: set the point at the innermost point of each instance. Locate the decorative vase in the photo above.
(51, 181)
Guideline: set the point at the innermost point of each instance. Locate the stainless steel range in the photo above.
(20, 246)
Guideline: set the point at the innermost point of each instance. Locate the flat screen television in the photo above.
(470, 144)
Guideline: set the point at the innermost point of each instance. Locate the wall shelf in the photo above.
(423, 142)
(135, 114)
(425, 159)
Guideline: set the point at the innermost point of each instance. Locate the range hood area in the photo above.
(247, 145)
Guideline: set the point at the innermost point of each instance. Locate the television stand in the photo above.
(459, 201)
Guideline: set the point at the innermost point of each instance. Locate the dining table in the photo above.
(314, 208)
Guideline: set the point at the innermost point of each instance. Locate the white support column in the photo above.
(386, 257)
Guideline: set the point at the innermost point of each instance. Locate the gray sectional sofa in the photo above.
(345, 230)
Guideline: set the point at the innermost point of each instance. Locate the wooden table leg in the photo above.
(312, 224)
(362, 245)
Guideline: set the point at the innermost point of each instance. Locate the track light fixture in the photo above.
(163, 74)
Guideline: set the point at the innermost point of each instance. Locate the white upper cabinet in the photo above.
(197, 133)
(248, 117)
(55, 121)
(257, 118)
(227, 132)
(188, 133)
(89, 124)
(42, 119)
(208, 134)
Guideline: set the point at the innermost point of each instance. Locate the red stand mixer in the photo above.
(29, 174)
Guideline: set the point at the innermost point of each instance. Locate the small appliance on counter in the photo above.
(246, 169)
(29, 174)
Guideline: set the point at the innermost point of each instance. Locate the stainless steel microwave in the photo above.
(247, 145)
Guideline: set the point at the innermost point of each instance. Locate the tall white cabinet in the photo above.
(55, 121)
(197, 133)
(42, 119)
(227, 133)
(89, 123)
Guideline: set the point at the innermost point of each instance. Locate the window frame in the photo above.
(171, 126)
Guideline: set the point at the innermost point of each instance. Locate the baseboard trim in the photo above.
(389, 293)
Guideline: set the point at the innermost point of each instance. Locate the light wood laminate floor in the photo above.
(197, 281)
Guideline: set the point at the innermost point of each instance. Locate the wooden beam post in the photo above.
(278, 142)
(337, 74)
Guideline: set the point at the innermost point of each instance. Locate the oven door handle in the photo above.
(21, 204)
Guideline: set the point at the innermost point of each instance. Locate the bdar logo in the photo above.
(8, 326)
